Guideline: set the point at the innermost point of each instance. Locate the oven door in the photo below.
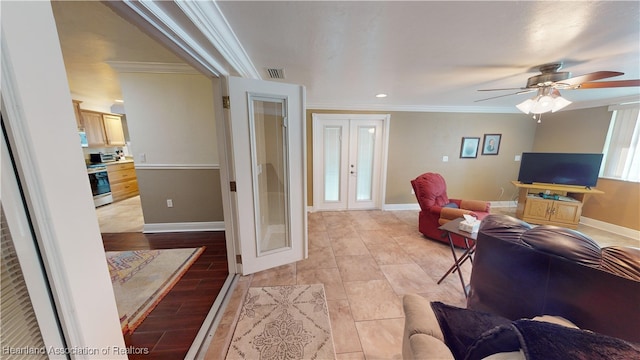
(99, 183)
(100, 187)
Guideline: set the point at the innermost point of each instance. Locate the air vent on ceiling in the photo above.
(275, 73)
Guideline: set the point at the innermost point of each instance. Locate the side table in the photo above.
(452, 227)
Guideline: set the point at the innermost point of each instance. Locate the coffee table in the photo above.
(452, 227)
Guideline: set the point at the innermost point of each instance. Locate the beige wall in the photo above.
(171, 121)
(170, 118)
(418, 141)
(195, 193)
(585, 131)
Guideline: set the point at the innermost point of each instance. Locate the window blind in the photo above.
(622, 148)
(20, 337)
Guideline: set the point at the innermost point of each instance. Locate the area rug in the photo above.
(283, 322)
(141, 278)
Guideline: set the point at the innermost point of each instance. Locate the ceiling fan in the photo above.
(551, 80)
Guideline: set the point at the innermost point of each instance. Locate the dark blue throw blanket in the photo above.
(544, 341)
(472, 335)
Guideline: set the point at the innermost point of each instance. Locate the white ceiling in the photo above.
(426, 55)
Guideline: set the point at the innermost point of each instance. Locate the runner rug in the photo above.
(283, 322)
(141, 278)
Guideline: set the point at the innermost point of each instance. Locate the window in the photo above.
(622, 148)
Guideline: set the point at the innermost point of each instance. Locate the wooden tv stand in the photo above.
(564, 211)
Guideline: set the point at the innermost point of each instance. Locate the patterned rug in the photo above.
(283, 322)
(141, 278)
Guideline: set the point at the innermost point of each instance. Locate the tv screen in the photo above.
(560, 168)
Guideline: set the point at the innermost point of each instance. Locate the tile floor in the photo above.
(121, 216)
(367, 260)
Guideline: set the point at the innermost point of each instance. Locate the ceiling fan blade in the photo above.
(520, 88)
(577, 80)
(609, 84)
(499, 96)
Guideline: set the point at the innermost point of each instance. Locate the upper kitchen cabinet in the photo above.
(102, 129)
(94, 127)
(76, 111)
(113, 130)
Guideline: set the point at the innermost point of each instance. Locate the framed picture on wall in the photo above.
(469, 147)
(491, 144)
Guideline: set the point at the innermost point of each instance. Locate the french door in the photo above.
(267, 130)
(349, 158)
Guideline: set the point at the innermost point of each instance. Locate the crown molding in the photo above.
(414, 108)
(152, 67)
(208, 18)
(167, 28)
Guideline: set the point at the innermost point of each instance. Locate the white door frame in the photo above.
(318, 180)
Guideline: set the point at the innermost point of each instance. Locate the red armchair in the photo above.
(437, 209)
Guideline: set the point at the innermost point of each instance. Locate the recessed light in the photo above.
(381, 95)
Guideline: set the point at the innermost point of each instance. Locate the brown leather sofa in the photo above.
(519, 272)
(523, 272)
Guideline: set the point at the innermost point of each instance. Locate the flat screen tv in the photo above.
(560, 168)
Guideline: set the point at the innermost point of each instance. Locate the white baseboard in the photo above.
(415, 206)
(616, 229)
(398, 207)
(184, 227)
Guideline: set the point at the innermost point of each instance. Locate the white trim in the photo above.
(25, 156)
(413, 108)
(174, 36)
(208, 18)
(460, 109)
(504, 204)
(139, 166)
(183, 227)
(616, 229)
(152, 67)
(416, 206)
(203, 339)
(397, 207)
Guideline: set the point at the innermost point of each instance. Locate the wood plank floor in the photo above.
(172, 326)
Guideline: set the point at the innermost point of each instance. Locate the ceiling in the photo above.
(426, 55)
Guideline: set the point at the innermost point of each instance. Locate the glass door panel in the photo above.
(332, 163)
(270, 173)
(364, 162)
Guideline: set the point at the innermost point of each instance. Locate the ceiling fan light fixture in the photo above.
(525, 106)
(560, 103)
(547, 99)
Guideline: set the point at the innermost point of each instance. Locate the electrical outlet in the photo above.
(169, 203)
(143, 157)
(517, 158)
(445, 158)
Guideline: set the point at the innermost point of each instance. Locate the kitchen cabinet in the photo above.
(102, 129)
(113, 130)
(76, 111)
(94, 127)
(123, 180)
